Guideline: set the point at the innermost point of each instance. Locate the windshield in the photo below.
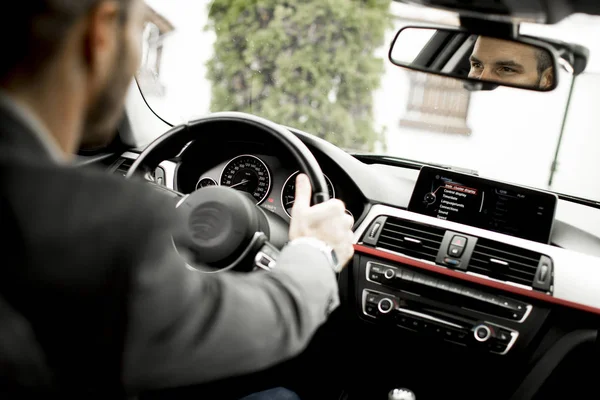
(321, 66)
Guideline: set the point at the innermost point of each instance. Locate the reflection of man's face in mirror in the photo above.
(510, 62)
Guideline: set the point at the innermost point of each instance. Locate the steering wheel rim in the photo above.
(179, 136)
(213, 202)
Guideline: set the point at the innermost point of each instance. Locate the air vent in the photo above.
(122, 165)
(411, 238)
(504, 262)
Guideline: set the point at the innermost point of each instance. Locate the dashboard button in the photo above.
(455, 251)
(404, 321)
(375, 276)
(372, 298)
(451, 262)
(498, 347)
(517, 316)
(377, 268)
(461, 335)
(459, 241)
(416, 324)
(503, 336)
(371, 309)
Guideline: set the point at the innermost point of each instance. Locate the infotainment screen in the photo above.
(486, 204)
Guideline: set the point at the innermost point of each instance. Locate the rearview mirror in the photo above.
(481, 60)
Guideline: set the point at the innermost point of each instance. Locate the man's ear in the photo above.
(547, 80)
(101, 42)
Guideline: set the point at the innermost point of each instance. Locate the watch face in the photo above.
(334, 259)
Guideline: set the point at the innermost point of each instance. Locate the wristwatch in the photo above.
(326, 249)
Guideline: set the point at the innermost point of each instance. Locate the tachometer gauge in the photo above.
(288, 194)
(205, 182)
(249, 174)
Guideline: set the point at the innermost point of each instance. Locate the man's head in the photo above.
(511, 62)
(83, 52)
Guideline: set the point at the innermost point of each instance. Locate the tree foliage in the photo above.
(303, 63)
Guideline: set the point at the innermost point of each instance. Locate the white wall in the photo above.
(578, 170)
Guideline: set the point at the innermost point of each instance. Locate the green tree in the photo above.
(309, 64)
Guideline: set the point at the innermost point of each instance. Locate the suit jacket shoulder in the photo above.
(73, 239)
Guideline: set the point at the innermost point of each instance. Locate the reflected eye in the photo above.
(507, 70)
(476, 65)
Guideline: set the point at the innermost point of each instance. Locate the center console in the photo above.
(418, 276)
(418, 302)
(414, 301)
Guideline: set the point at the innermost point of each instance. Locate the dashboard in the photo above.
(260, 168)
(479, 272)
(262, 176)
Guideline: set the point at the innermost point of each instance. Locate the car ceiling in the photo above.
(540, 11)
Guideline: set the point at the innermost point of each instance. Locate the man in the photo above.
(511, 62)
(94, 300)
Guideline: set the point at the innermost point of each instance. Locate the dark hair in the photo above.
(35, 30)
(544, 60)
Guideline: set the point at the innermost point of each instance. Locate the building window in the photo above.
(155, 31)
(437, 104)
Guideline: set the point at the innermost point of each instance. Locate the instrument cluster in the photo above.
(272, 186)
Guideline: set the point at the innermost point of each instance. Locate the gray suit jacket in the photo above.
(102, 303)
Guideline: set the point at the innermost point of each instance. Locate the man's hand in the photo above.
(326, 221)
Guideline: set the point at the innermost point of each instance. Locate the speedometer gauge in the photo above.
(205, 182)
(288, 194)
(249, 174)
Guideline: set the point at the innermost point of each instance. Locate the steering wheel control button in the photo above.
(482, 333)
(385, 305)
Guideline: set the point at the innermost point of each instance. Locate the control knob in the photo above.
(401, 394)
(389, 274)
(385, 305)
(482, 333)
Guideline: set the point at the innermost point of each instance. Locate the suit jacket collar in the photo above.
(22, 134)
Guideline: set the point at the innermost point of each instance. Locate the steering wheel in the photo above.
(224, 228)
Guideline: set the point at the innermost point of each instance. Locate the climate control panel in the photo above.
(419, 301)
(392, 310)
(406, 279)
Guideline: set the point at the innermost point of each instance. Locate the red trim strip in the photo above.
(473, 279)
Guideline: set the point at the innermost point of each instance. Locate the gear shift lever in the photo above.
(401, 394)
